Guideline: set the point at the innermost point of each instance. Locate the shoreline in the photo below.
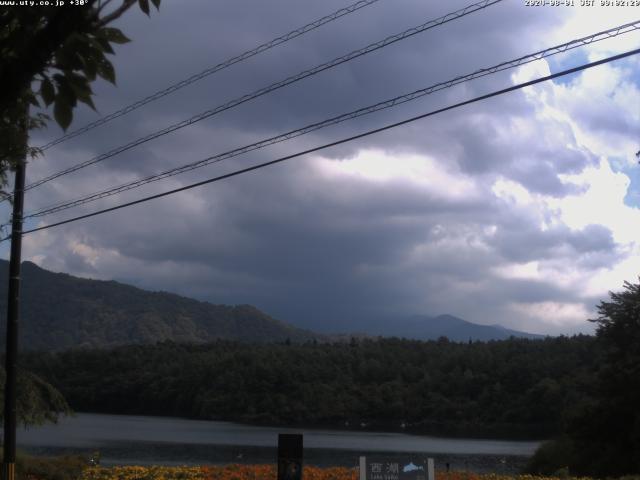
(172, 440)
(370, 427)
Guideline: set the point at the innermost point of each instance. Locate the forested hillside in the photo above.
(511, 388)
(61, 311)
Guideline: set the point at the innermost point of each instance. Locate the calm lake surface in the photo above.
(125, 439)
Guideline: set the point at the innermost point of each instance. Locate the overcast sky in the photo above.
(522, 210)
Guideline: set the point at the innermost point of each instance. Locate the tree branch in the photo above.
(126, 5)
(103, 5)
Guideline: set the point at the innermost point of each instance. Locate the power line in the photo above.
(277, 85)
(211, 70)
(338, 142)
(274, 86)
(610, 33)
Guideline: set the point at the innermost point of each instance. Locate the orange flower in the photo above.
(269, 472)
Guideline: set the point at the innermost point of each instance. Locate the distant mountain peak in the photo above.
(425, 327)
(61, 311)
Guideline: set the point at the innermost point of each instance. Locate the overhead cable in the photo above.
(211, 70)
(338, 142)
(338, 119)
(274, 86)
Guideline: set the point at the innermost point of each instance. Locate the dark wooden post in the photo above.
(290, 456)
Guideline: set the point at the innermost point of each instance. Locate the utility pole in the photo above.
(13, 314)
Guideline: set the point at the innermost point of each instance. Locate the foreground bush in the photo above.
(551, 457)
(45, 468)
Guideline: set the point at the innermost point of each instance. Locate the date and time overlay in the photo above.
(526, 3)
(581, 3)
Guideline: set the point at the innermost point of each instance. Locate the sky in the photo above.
(521, 210)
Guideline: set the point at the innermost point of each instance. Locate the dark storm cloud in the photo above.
(320, 252)
(308, 247)
(407, 66)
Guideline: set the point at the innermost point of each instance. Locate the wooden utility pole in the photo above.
(13, 314)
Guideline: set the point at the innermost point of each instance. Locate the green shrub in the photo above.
(68, 467)
(552, 458)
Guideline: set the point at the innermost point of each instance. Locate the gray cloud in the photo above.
(311, 248)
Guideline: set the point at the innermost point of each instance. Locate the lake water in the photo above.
(125, 439)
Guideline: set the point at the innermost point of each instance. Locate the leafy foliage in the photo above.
(37, 401)
(607, 437)
(517, 387)
(552, 456)
(603, 437)
(50, 56)
(15, 124)
(69, 52)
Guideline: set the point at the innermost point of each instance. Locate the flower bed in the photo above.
(269, 472)
(226, 472)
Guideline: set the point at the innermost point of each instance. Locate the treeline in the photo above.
(513, 388)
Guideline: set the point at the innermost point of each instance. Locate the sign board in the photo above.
(290, 456)
(375, 468)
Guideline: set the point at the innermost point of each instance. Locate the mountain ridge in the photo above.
(60, 311)
(425, 327)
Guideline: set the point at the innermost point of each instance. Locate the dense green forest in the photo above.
(512, 388)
